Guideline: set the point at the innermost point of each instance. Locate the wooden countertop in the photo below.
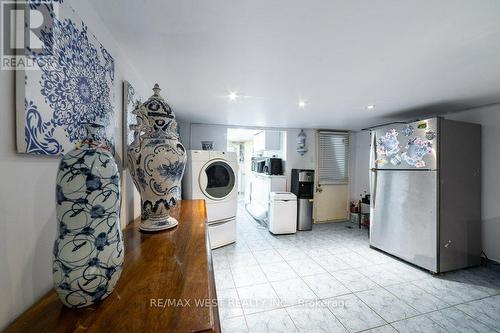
(174, 264)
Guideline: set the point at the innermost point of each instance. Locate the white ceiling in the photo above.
(414, 57)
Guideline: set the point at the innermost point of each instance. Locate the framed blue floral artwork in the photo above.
(70, 82)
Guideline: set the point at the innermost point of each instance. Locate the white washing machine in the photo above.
(212, 176)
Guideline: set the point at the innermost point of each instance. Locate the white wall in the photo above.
(489, 118)
(359, 164)
(27, 205)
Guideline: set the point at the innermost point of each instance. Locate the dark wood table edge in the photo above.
(215, 326)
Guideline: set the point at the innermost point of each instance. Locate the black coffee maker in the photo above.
(273, 166)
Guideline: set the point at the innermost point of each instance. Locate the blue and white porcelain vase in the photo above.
(301, 143)
(88, 252)
(157, 160)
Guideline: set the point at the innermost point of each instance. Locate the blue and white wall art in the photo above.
(70, 83)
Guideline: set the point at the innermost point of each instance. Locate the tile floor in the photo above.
(329, 280)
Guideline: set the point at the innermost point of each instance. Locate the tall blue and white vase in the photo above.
(156, 162)
(88, 252)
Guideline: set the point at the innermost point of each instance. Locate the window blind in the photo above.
(333, 157)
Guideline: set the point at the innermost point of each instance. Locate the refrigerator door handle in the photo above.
(372, 150)
(373, 195)
(373, 170)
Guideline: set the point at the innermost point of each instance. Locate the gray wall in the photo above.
(27, 205)
(185, 133)
(489, 118)
(359, 164)
(205, 132)
(293, 159)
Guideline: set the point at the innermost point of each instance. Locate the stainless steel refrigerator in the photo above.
(425, 180)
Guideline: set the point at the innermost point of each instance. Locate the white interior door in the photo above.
(331, 199)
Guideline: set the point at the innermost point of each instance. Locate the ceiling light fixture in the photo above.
(302, 104)
(233, 96)
(371, 107)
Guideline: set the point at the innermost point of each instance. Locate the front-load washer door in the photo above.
(217, 180)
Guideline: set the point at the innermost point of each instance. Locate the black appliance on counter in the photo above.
(303, 188)
(273, 166)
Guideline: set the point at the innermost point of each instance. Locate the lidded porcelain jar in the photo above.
(88, 252)
(156, 161)
(301, 143)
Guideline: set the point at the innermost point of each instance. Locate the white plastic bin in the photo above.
(282, 213)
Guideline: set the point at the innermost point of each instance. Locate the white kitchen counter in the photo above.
(261, 185)
(258, 174)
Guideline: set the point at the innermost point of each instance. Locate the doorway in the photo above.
(240, 141)
(331, 199)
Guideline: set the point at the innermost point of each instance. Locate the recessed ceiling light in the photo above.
(371, 107)
(232, 96)
(302, 104)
